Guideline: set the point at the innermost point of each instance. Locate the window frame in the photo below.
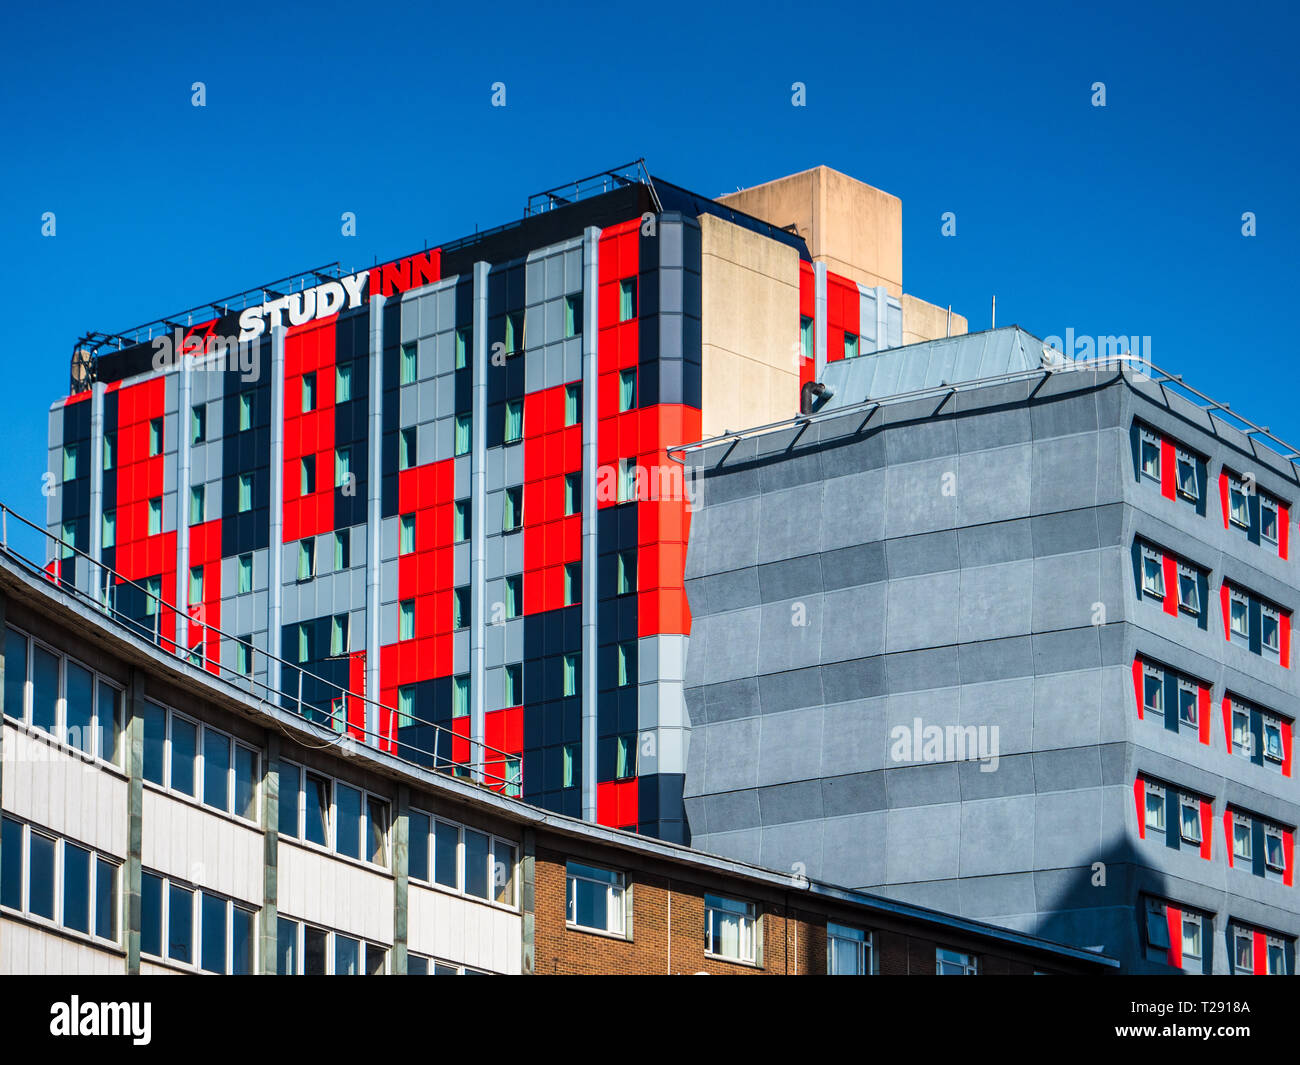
(750, 920)
(967, 961)
(461, 880)
(299, 836)
(1184, 458)
(197, 894)
(616, 898)
(202, 728)
(1154, 589)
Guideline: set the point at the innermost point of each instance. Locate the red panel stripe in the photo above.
(1284, 637)
(1223, 599)
(1169, 565)
(1168, 469)
(1223, 495)
(1283, 531)
(1139, 798)
(1288, 732)
(1261, 954)
(1175, 920)
(1227, 722)
(1227, 835)
(1137, 686)
(1288, 857)
(1203, 713)
(1207, 830)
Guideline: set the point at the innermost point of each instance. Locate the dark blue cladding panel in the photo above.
(352, 418)
(246, 452)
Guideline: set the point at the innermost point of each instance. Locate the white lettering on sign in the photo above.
(310, 305)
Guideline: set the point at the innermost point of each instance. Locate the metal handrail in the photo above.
(240, 681)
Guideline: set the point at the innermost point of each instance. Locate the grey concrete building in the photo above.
(1008, 636)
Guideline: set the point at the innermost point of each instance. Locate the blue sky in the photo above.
(1117, 220)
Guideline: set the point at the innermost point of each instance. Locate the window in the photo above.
(472, 863)
(155, 436)
(196, 585)
(342, 550)
(306, 558)
(406, 448)
(1190, 818)
(406, 534)
(595, 898)
(1243, 954)
(1188, 487)
(850, 345)
(460, 696)
(572, 493)
(1276, 957)
(1153, 577)
(1238, 503)
(1273, 853)
(339, 634)
(307, 475)
(848, 951)
(84, 897)
(1157, 927)
(245, 411)
(1239, 615)
(244, 579)
(462, 348)
(567, 756)
(68, 539)
(572, 406)
(245, 492)
(806, 337)
(514, 603)
(1153, 690)
(1270, 629)
(69, 462)
(244, 656)
(572, 582)
(514, 336)
(1272, 739)
(730, 928)
(1155, 807)
(343, 383)
(304, 644)
(1242, 837)
(1188, 698)
(202, 929)
(626, 583)
(405, 706)
(196, 504)
(409, 364)
(513, 685)
(1150, 447)
(1189, 594)
(625, 757)
(571, 674)
(477, 861)
(406, 619)
(155, 516)
(627, 299)
(626, 390)
(198, 423)
(461, 521)
(1192, 934)
(342, 467)
(308, 392)
(110, 448)
(108, 538)
(1242, 740)
(512, 509)
(1268, 520)
(152, 595)
(626, 480)
(514, 427)
(573, 315)
(955, 963)
(317, 792)
(460, 607)
(626, 664)
(462, 442)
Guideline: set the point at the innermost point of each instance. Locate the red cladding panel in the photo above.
(1203, 713)
(1139, 797)
(1260, 954)
(1227, 836)
(1223, 495)
(1137, 686)
(1170, 566)
(1168, 469)
(309, 349)
(1175, 919)
(1207, 830)
(616, 803)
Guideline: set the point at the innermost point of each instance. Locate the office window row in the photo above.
(1260, 846)
(54, 879)
(463, 860)
(200, 762)
(1183, 937)
(58, 695)
(1174, 817)
(198, 929)
(419, 965)
(1178, 585)
(302, 949)
(329, 813)
(1256, 624)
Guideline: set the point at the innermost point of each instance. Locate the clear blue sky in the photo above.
(1117, 220)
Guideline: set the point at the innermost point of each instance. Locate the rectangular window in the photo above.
(460, 521)
(347, 815)
(68, 538)
(1276, 958)
(1190, 818)
(198, 423)
(11, 863)
(212, 936)
(79, 707)
(513, 685)
(1188, 699)
(568, 755)
(152, 595)
(1242, 741)
(1188, 487)
(304, 644)
(1239, 615)
(406, 534)
(1150, 446)
(342, 467)
(244, 577)
(572, 404)
(1244, 952)
(626, 583)
(514, 427)
(848, 951)
(730, 928)
(306, 558)
(627, 299)
(460, 696)
(626, 664)
(109, 722)
(514, 603)
(1157, 926)
(316, 810)
(1192, 934)
(1242, 838)
(106, 899)
(155, 436)
(1268, 520)
(1238, 503)
(955, 963)
(462, 443)
(45, 689)
(343, 383)
(405, 706)
(307, 475)
(409, 364)
(180, 924)
(417, 861)
(478, 861)
(462, 348)
(110, 449)
(308, 392)
(69, 462)
(503, 853)
(594, 898)
(245, 492)
(1273, 853)
(151, 914)
(108, 538)
(155, 743)
(626, 390)
(339, 634)
(573, 315)
(15, 690)
(1155, 807)
(407, 448)
(1153, 691)
(446, 855)
(572, 583)
(155, 516)
(850, 345)
(626, 480)
(514, 338)
(1270, 630)
(460, 607)
(806, 337)
(245, 411)
(1153, 577)
(40, 874)
(625, 757)
(1189, 594)
(571, 674)
(406, 619)
(183, 756)
(342, 550)
(76, 887)
(512, 510)
(572, 493)
(1272, 739)
(196, 585)
(196, 504)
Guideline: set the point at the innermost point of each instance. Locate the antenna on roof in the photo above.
(994, 323)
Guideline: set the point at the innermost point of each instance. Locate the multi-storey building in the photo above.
(432, 501)
(158, 818)
(1008, 635)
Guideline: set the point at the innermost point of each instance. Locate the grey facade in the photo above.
(972, 559)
